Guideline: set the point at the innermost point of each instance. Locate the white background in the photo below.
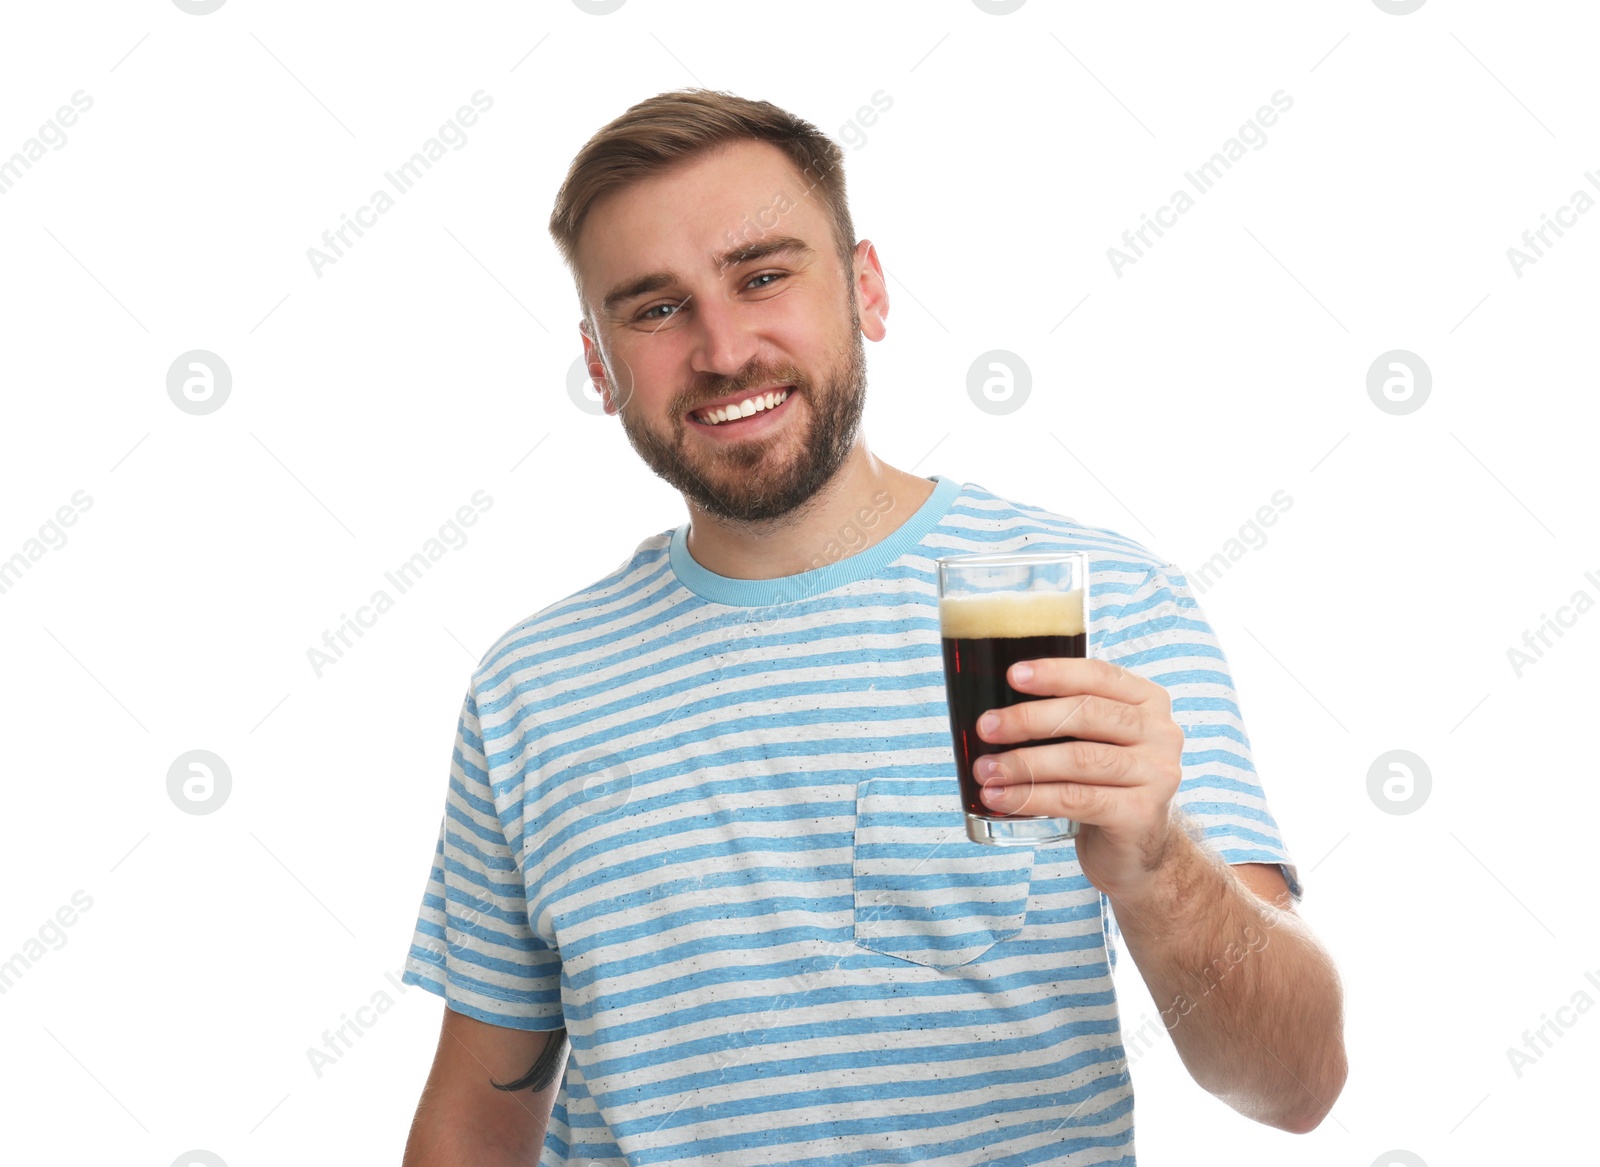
(1169, 402)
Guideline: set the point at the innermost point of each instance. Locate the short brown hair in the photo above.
(670, 129)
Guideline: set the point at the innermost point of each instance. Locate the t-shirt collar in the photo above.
(864, 564)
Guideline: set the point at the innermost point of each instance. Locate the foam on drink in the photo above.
(1010, 615)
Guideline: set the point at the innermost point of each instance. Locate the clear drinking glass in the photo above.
(995, 610)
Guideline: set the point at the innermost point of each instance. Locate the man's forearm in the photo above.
(1252, 1001)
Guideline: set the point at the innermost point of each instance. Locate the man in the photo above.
(703, 822)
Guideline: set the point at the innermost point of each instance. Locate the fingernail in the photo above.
(1022, 673)
(988, 723)
(996, 795)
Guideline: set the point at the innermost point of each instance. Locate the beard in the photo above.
(751, 481)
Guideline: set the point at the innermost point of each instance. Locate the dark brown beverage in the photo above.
(984, 635)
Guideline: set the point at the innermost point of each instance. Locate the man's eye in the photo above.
(646, 317)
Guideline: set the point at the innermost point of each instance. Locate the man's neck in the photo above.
(863, 504)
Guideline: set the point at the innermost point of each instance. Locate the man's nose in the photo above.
(725, 343)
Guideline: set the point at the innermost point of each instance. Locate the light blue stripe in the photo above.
(505, 1020)
(460, 982)
(944, 986)
(764, 1031)
(1234, 831)
(850, 1056)
(927, 1121)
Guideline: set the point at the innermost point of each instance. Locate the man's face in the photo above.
(715, 325)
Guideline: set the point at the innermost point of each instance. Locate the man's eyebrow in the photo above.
(777, 245)
(746, 253)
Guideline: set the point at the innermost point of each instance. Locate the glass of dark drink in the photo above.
(996, 610)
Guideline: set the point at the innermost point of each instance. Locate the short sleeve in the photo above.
(473, 944)
(1159, 632)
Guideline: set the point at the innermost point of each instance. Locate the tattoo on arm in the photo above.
(543, 1070)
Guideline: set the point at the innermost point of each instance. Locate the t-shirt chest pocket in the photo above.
(924, 892)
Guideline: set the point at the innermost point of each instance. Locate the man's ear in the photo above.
(596, 367)
(872, 293)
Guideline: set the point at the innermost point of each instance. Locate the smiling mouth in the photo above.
(750, 406)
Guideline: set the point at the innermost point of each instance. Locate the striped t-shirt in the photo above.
(711, 826)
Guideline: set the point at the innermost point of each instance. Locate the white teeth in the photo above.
(744, 408)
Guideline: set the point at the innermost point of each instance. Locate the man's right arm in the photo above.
(463, 1120)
